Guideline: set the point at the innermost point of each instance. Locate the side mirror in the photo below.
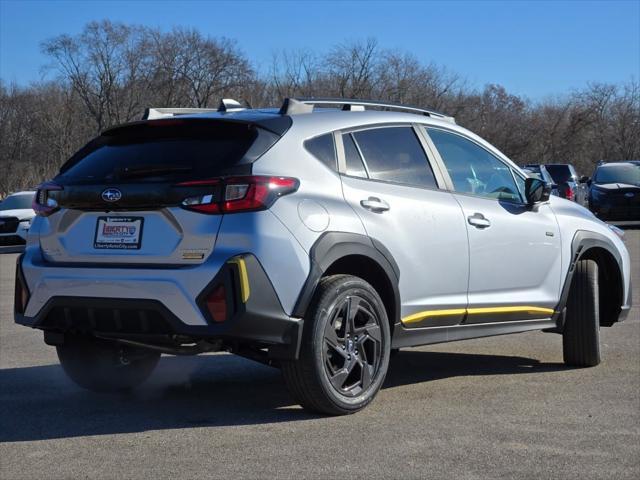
(584, 179)
(536, 191)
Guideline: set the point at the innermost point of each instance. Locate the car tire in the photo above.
(345, 348)
(104, 366)
(581, 334)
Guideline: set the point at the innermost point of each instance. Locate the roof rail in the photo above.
(226, 105)
(294, 106)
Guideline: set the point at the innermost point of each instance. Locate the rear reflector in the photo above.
(21, 297)
(238, 194)
(217, 304)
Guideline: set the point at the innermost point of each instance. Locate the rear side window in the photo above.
(168, 150)
(394, 154)
(323, 149)
(355, 167)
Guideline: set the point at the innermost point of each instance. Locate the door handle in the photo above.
(478, 220)
(375, 204)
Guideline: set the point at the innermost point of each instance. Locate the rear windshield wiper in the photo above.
(151, 170)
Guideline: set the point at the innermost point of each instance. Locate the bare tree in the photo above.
(110, 72)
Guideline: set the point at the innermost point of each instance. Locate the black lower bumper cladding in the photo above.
(260, 320)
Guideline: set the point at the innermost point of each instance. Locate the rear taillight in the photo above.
(238, 194)
(570, 194)
(43, 203)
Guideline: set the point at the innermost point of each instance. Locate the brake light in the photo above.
(570, 194)
(43, 203)
(238, 194)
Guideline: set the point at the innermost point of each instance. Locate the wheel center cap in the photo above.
(350, 345)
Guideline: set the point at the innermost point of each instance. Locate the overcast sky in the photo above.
(532, 48)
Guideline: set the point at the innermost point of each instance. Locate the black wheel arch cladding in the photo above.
(330, 248)
(585, 245)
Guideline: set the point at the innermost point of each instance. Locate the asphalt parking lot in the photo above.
(502, 407)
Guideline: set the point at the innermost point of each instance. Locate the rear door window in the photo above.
(355, 166)
(164, 151)
(394, 154)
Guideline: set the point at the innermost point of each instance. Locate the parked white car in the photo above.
(15, 218)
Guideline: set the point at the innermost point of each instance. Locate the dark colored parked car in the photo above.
(570, 185)
(615, 191)
(540, 172)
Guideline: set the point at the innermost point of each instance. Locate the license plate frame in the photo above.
(123, 241)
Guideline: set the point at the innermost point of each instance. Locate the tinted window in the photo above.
(163, 152)
(395, 155)
(355, 166)
(560, 173)
(473, 169)
(622, 173)
(16, 202)
(323, 149)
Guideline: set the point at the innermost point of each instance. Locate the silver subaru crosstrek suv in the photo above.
(317, 238)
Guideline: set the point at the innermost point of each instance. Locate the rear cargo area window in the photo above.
(323, 149)
(165, 150)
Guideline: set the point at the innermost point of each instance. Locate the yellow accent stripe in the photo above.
(417, 317)
(245, 291)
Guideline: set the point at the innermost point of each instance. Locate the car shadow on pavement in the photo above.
(39, 403)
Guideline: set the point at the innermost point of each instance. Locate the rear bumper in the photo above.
(628, 303)
(257, 318)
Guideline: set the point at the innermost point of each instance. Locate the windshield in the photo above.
(622, 173)
(16, 202)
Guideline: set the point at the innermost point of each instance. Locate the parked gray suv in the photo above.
(316, 240)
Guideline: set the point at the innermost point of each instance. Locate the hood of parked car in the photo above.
(616, 186)
(21, 213)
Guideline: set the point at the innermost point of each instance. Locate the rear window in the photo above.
(560, 173)
(166, 150)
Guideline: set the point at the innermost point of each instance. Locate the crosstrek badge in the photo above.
(118, 233)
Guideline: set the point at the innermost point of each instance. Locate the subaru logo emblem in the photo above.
(111, 195)
(629, 194)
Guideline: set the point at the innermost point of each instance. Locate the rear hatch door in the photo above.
(121, 195)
